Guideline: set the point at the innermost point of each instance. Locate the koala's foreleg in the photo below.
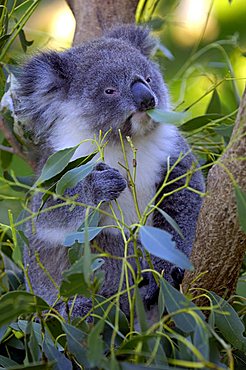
(46, 258)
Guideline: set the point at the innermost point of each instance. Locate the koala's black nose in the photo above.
(142, 96)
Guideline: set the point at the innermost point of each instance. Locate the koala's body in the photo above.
(70, 96)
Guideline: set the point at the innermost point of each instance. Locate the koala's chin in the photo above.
(141, 124)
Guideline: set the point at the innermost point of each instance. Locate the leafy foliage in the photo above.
(33, 335)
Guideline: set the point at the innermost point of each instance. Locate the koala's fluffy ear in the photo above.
(137, 36)
(44, 74)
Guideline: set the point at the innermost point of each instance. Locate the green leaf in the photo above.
(103, 305)
(214, 105)
(129, 366)
(77, 344)
(96, 345)
(72, 177)
(167, 117)
(16, 303)
(199, 122)
(7, 362)
(74, 284)
(171, 222)
(52, 353)
(140, 311)
(34, 366)
(91, 221)
(175, 301)
(56, 163)
(241, 206)
(201, 340)
(5, 157)
(230, 325)
(159, 243)
(33, 344)
(22, 326)
(79, 236)
(24, 42)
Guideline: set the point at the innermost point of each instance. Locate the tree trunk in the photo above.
(94, 16)
(220, 244)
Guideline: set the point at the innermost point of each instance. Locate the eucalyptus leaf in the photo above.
(175, 301)
(13, 304)
(77, 344)
(199, 122)
(71, 178)
(79, 236)
(96, 345)
(167, 117)
(33, 345)
(229, 323)
(56, 163)
(140, 312)
(74, 284)
(7, 362)
(201, 340)
(33, 366)
(52, 353)
(214, 105)
(160, 244)
(171, 222)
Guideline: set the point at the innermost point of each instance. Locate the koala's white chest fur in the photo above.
(152, 153)
(151, 156)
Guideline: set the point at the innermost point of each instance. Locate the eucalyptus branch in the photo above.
(16, 147)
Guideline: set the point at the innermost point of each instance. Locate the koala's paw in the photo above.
(108, 183)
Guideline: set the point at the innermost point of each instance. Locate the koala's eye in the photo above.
(109, 91)
(148, 79)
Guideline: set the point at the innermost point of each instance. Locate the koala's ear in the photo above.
(44, 74)
(137, 36)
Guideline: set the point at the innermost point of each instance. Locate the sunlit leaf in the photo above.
(214, 105)
(159, 243)
(24, 42)
(199, 122)
(167, 117)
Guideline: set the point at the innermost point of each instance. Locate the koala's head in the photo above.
(106, 83)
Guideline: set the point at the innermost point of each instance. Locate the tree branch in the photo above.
(220, 244)
(16, 148)
(94, 16)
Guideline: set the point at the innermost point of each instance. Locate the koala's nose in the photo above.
(142, 96)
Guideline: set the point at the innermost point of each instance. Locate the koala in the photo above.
(105, 85)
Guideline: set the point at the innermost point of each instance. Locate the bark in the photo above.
(94, 16)
(220, 244)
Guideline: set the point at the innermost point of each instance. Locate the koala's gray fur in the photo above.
(69, 96)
